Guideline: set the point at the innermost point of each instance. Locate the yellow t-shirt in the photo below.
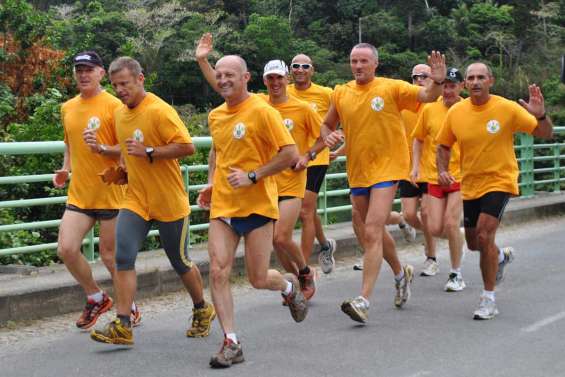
(485, 135)
(410, 118)
(375, 146)
(303, 124)
(86, 190)
(155, 190)
(428, 126)
(245, 136)
(319, 97)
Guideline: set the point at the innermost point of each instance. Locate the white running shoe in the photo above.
(454, 283)
(431, 268)
(487, 309)
(408, 232)
(508, 258)
(403, 292)
(326, 256)
(356, 308)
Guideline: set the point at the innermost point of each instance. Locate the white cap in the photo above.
(277, 67)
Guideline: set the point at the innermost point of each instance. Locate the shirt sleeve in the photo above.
(65, 136)
(523, 121)
(406, 96)
(276, 135)
(419, 131)
(171, 128)
(445, 136)
(313, 122)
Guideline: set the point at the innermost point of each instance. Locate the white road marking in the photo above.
(544, 322)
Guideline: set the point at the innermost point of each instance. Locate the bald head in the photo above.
(421, 69)
(302, 58)
(234, 62)
(479, 67)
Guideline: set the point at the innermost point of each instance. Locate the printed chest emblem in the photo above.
(138, 135)
(493, 126)
(289, 124)
(377, 104)
(93, 123)
(239, 131)
(314, 106)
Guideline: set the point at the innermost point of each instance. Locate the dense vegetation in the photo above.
(521, 39)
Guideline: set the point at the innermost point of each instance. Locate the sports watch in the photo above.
(149, 152)
(252, 176)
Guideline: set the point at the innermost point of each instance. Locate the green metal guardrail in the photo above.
(530, 157)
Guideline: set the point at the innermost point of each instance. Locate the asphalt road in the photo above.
(434, 335)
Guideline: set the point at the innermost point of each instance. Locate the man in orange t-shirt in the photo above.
(483, 126)
(90, 148)
(368, 109)
(152, 138)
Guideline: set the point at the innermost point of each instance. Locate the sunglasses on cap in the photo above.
(421, 76)
(304, 66)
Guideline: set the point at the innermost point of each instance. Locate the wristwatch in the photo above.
(252, 176)
(149, 152)
(102, 149)
(312, 155)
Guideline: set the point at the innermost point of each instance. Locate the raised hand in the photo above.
(536, 105)
(205, 46)
(436, 61)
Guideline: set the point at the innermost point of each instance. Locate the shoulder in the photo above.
(70, 103)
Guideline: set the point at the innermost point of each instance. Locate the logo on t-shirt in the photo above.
(377, 103)
(493, 126)
(314, 106)
(289, 124)
(93, 123)
(239, 131)
(138, 135)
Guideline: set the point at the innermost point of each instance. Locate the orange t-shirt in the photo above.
(485, 135)
(245, 136)
(376, 146)
(155, 190)
(86, 190)
(319, 97)
(427, 127)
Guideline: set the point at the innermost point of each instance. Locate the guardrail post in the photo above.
(89, 247)
(556, 168)
(184, 170)
(527, 163)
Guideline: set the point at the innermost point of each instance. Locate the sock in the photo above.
(288, 289)
(133, 307)
(456, 271)
(125, 320)
(325, 246)
(400, 275)
(199, 305)
(97, 297)
(231, 336)
(500, 256)
(432, 258)
(304, 271)
(489, 294)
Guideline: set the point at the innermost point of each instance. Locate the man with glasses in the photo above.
(411, 193)
(483, 126)
(377, 158)
(319, 98)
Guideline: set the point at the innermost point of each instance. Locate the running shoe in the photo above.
(113, 333)
(508, 258)
(308, 283)
(487, 309)
(135, 317)
(295, 300)
(201, 321)
(408, 232)
(454, 283)
(326, 256)
(92, 311)
(431, 268)
(356, 308)
(230, 353)
(403, 287)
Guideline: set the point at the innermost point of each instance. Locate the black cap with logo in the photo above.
(90, 58)
(454, 75)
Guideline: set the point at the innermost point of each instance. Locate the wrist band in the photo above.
(541, 117)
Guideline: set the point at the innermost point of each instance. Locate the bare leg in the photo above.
(451, 221)
(107, 245)
(308, 217)
(289, 211)
(486, 231)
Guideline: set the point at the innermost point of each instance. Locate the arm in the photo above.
(285, 158)
(204, 48)
(328, 129)
(442, 160)
(164, 152)
(338, 152)
(89, 137)
(536, 107)
(434, 85)
(416, 155)
(62, 174)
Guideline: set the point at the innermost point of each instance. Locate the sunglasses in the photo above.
(304, 66)
(421, 76)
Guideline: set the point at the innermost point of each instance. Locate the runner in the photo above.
(250, 145)
(90, 148)
(319, 97)
(377, 157)
(484, 125)
(411, 193)
(443, 203)
(152, 138)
